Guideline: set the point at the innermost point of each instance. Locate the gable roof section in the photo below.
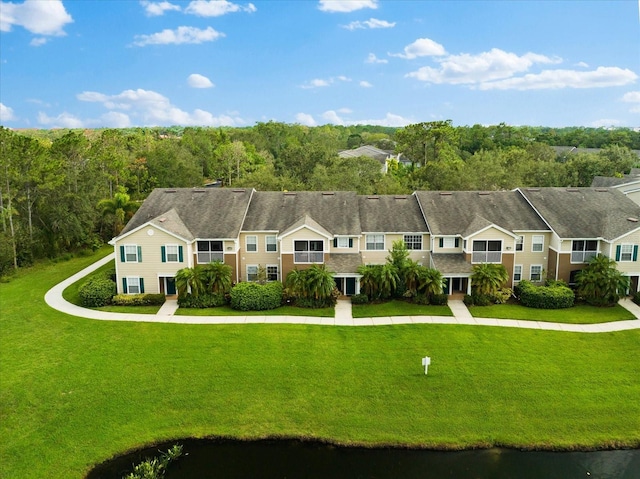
(366, 150)
(336, 212)
(585, 212)
(391, 214)
(466, 212)
(203, 213)
(612, 181)
(306, 222)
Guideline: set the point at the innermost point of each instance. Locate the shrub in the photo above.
(636, 297)
(204, 300)
(97, 291)
(502, 295)
(256, 297)
(145, 299)
(359, 299)
(438, 299)
(556, 296)
(422, 299)
(477, 300)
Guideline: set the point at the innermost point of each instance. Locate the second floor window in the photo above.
(413, 241)
(210, 251)
(487, 251)
(311, 251)
(519, 243)
(537, 243)
(583, 250)
(271, 244)
(375, 242)
(252, 244)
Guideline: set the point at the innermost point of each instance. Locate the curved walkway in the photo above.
(343, 317)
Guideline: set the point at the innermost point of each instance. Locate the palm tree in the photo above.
(600, 283)
(119, 209)
(319, 282)
(388, 280)
(370, 279)
(191, 279)
(218, 277)
(411, 276)
(295, 283)
(431, 281)
(488, 278)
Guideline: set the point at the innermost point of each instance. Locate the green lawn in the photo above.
(281, 311)
(75, 391)
(398, 308)
(579, 314)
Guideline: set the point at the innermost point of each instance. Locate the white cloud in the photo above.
(365, 84)
(154, 9)
(196, 80)
(556, 79)
(305, 119)
(39, 17)
(390, 119)
(631, 97)
(345, 6)
(149, 108)
(38, 41)
(63, 120)
(373, 59)
(320, 82)
(178, 36)
(332, 117)
(487, 66)
(582, 65)
(216, 8)
(6, 113)
(422, 47)
(371, 23)
(115, 119)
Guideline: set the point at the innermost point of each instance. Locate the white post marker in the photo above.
(425, 362)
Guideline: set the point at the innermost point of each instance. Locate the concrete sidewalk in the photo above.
(343, 314)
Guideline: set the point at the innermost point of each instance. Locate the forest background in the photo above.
(64, 191)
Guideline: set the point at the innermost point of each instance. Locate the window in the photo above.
(252, 272)
(449, 242)
(535, 273)
(519, 243)
(131, 253)
(583, 250)
(626, 253)
(413, 241)
(171, 253)
(375, 242)
(271, 244)
(487, 251)
(517, 272)
(272, 273)
(210, 251)
(308, 251)
(537, 243)
(252, 244)
(133, 285)
(342, 242)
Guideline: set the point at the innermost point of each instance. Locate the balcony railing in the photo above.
(309, 257)
(582, 256)
(205, 257)
(486, 257)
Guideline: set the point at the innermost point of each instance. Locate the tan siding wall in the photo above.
(526, 257)
(492, 234)
(302, 234)
(628, 267)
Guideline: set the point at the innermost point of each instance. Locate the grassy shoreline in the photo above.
(76, 392)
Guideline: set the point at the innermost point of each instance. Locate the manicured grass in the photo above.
(398, 308)
(130, 309)
(281, 311)
(76, 391)
(579, 314)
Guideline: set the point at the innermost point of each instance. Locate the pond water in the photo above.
(280, 459)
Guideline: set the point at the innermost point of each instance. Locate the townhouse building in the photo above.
(536, 233)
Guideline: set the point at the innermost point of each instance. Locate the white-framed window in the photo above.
(272, 272)
(535, 272)
(519, 243)
(271, 244)
(449, 242)
(133, 285)
(131, 253)
(210, 251)
(583, 250)
(342, 242)
(487, 251)
(626, 252)
(413, 242)
(308, 251)
(252, 272)
(171, 251)
(517, 272)
(537, 243)
(374, 242)
(251, 244)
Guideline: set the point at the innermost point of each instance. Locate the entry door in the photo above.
(350, 286)
(170, 286)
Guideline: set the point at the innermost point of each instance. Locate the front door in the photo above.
(350, 286)
(170, 286)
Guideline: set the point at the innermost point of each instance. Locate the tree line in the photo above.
(65, 190)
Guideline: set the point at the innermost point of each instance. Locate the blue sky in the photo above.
(120, 63)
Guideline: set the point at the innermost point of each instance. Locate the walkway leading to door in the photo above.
(343, 314)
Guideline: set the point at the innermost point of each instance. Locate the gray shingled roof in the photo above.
(344, 262)
(205, 213)
(585, 212)
(391, 213)
(366, 150)
(606, 181)
(336, 212)
(451, 263)
(465, 212)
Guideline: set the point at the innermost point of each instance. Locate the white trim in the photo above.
(513, 277)
(151, 225)
(533, 243)
(266, 244)
(246, 243)
(166, 253)
(384, 241)
(492, 225)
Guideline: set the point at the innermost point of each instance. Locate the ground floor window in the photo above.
(272, 272)
(536, 272)
(517, 272)
(133, 285)
(252, 272)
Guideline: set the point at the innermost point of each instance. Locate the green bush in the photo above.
(555, 296)
(205, 300)
(256, 297)
(420, 298)
(636, 297)
(145, 299)
(359, 299)
(477, 299)
(97, 291)
(439, 299)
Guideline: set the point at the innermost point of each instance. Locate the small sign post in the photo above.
(425, 362)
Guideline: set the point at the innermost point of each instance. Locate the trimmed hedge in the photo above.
(359, 299)
(256, 297)
(439, 299)
(554, 296)
(636, 298)
(477, 299)
(145, 299)
(97, 291)
(206, 300)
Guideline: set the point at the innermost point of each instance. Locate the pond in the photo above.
(279, 459)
